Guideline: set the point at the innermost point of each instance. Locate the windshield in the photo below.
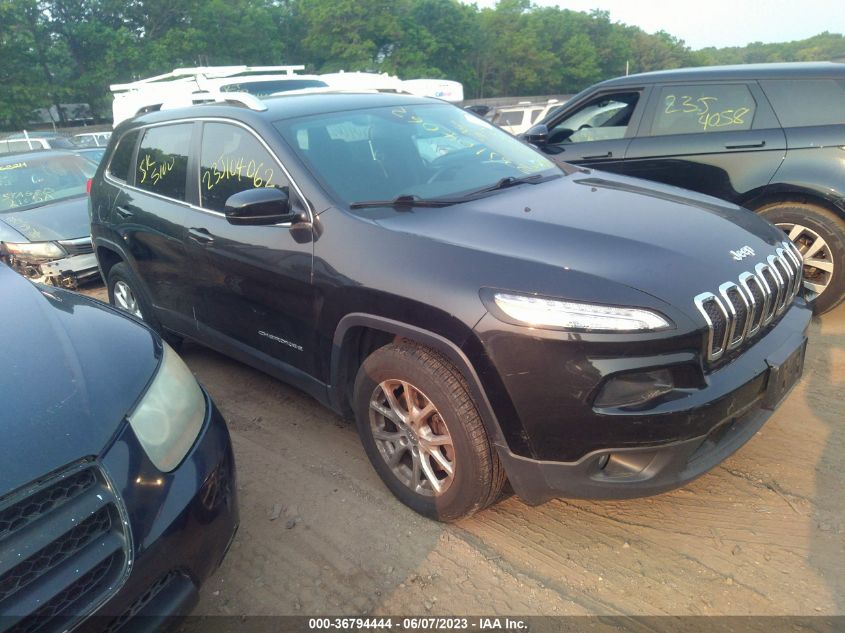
(427, 151)
(31, 181)
(269, 87)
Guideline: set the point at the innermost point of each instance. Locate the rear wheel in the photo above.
(820, 236)
(127, 294)
(422, 432)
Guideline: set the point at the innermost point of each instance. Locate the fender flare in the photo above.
(437, 342)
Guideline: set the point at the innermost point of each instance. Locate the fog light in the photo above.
(629, 390)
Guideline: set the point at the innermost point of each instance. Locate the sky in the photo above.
(702, 23)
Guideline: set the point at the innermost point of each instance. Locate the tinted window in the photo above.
(603, 119)
(267, 88)
(163, 160)
(705, 108)
(233, 160)
(121, 160)
(806, 102)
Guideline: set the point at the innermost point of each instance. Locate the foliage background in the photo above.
(69, 51)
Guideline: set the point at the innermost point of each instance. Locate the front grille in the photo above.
(63, 549)
(82, 246)
(740, 311)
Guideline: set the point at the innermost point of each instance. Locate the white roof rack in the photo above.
(206, 72)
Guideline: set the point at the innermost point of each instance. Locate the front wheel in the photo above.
(423, 434)
(820, 236)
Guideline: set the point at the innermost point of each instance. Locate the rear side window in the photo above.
(121, 160)
(704, 108)
(163, 160)
(233, 160)
(806, 102)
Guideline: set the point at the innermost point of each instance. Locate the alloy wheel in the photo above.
(818, 260)
(412, 437)
(125, 299)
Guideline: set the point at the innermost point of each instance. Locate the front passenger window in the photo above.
(603, 119)
(233, 160)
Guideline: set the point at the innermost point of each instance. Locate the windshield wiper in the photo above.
(404, 201)
(510, 181)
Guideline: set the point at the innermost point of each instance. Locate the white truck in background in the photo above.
(186, 86)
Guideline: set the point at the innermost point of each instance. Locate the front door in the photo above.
(256, 280)
(596, 132)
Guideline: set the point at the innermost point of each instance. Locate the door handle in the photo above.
(123, 213)
(200, 236)
(745, 145)
(605, 155)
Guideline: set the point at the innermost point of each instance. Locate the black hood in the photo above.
(71, 369)
(667, 242)
(61, 220)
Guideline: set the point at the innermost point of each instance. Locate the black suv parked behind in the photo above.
(769, 137)
(483, 312)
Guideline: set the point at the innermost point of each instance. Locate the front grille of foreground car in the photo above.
(81, 246)
(741, 310)
(63, 550)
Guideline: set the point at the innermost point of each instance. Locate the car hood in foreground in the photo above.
(71, 369)
(61, 220)
(667, 242)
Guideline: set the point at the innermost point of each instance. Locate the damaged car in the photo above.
(44, 229)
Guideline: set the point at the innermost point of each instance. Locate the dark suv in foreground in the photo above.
(117, 489)
(769, 137)
(483, 312)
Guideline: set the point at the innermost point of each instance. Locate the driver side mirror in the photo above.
(537, 134)
(260, 206)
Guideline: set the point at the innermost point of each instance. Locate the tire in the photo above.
(477, 475)
(805, 223)
(121, 280)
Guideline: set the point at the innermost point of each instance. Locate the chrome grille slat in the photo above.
(740, 310)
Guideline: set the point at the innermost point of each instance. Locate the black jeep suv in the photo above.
(483, 312)
(769, 137)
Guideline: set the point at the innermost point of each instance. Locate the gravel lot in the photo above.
(761, 534)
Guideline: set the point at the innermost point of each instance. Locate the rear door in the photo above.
(721, 139)
(149, 216)
(597, 130)
(255, 280)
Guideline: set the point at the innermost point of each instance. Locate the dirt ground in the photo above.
(764, 533)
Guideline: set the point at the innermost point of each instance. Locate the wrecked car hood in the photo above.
(61, 220)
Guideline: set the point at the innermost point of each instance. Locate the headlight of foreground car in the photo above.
(542, 312)
(169, 417)
(36, 250)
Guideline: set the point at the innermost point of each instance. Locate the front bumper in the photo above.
(575, 450)
(182, 524)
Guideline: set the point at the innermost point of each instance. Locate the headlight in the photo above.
(169, 417)
(541, 312)
(36, 250)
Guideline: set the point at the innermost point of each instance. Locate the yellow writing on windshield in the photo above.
(470, 140)
(708, 114)
(12, 166)
(153, 170)
(238, 168)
